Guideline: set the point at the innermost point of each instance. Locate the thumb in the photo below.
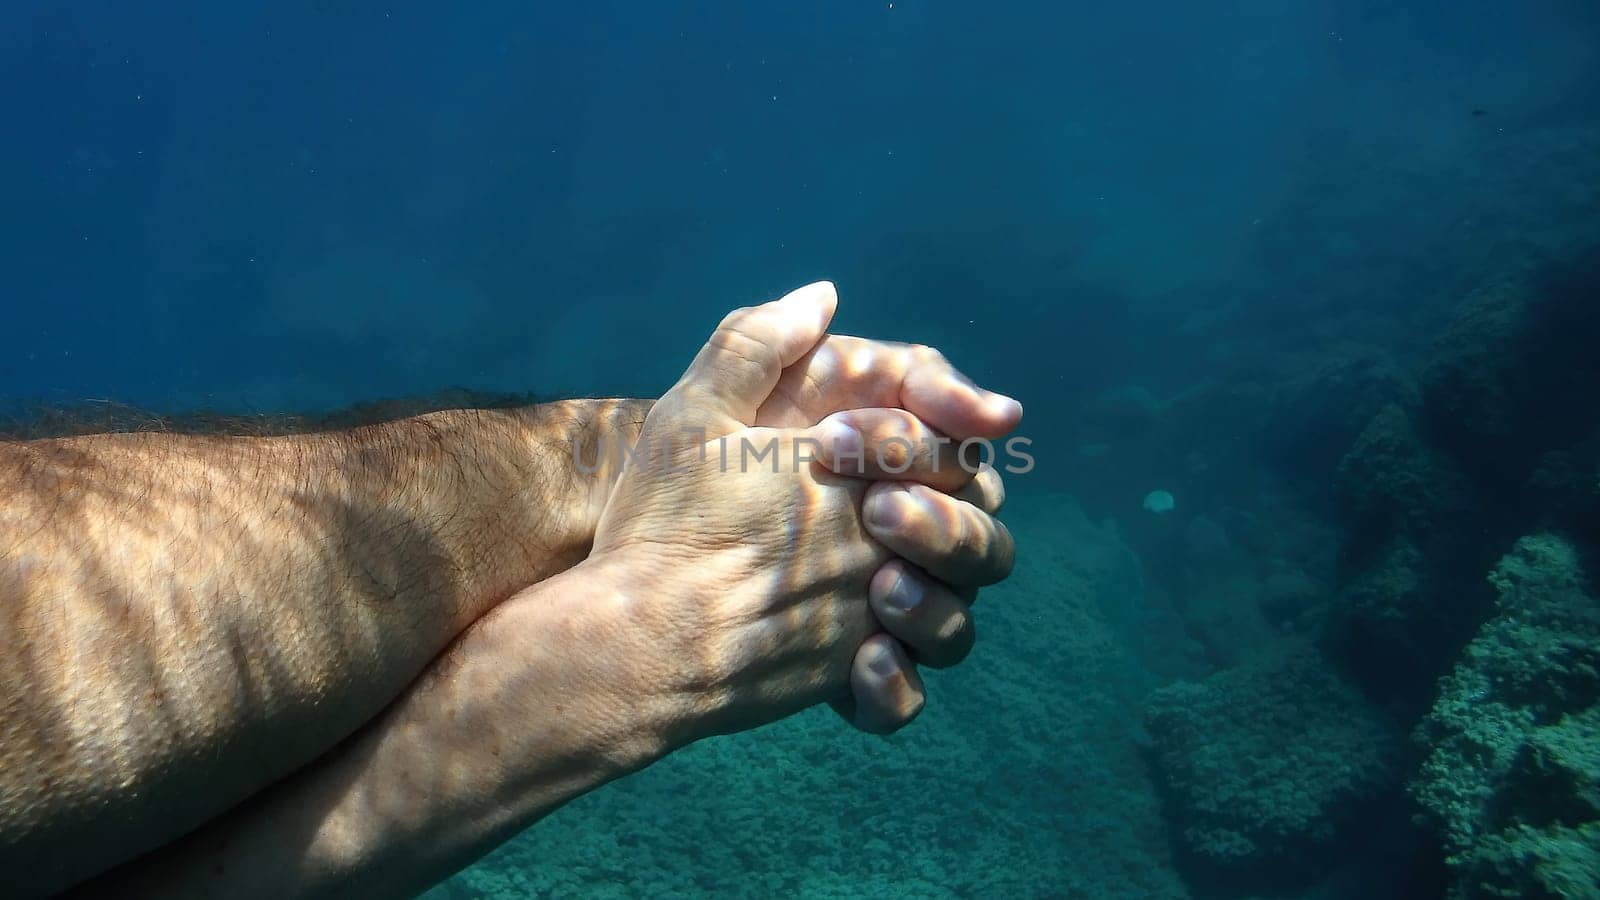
(737, 369)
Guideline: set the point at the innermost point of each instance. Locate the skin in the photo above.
(478, 628)
(189, 619)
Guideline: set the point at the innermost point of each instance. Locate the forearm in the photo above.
(541, 700)
(189, 618)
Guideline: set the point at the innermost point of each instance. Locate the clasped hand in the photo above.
(776, 582)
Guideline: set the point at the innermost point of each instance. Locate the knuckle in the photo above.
(898, 421)
(736, 319)
(969, 534)
(927, 355)
(740, 343)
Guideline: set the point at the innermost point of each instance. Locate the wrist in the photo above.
(617, 643)
(648, 634)
(578, 444)
(553, 693)
(520, 497)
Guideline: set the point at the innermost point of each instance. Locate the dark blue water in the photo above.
(1323, 271)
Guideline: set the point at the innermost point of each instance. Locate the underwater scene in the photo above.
(1301, 301)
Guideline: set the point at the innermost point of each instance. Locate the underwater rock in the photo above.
(1510, 782)
(1471, 383)
(1224, 616)
(1264, 764)
(1289, 593)
(1399, 620)
(1494, 444)
(1406, 605)
(1391, 479)
(1505, 381)
(1566, 484)
(1556, 863)
(1318, 403)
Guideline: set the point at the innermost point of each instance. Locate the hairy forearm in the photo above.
(188, 618)
(547, 696)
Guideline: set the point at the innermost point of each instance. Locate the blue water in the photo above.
(1209, 245)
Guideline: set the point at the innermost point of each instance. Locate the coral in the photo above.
(1510, 781)
(1264, 763)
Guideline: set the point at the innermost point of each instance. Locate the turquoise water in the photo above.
(1326, 272)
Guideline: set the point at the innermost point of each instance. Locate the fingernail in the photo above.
(905, 596)
(886, 510)
(1005, 407)
(883, 663)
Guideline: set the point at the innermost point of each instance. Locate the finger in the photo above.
(737, 369)
(922, 614)
(986, 490)
(950, 401)
(845, 372)
(955, 541)
(894, 445)
(885, 691)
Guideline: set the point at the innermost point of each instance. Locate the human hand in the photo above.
(930, 508)
(749, 580)
(947, 544)
(768, 641)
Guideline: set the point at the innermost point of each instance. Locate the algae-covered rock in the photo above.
(1510, 780)
(1391, 478)
(1556, 863)
(1506, 379)
(1561, 768)
(1386, 602)
(1265, 763)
